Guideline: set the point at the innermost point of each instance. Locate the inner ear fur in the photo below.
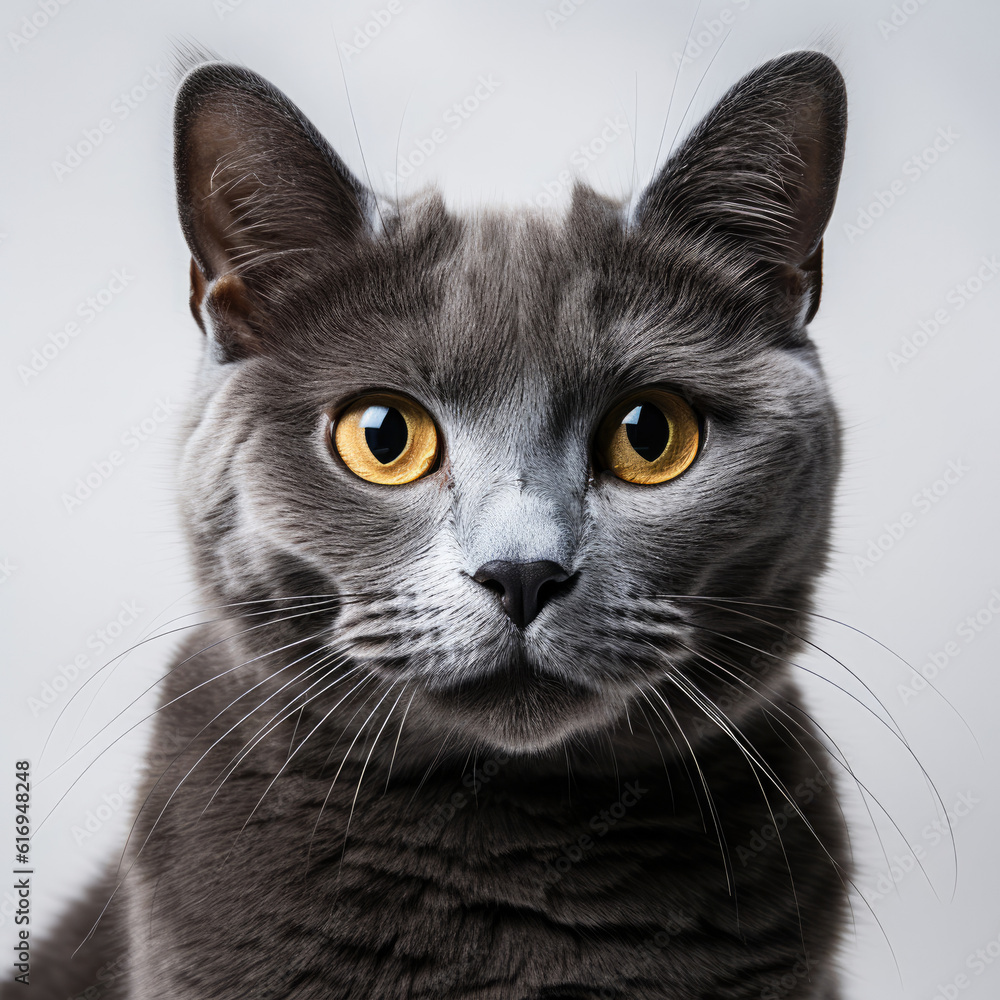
(266, 206)
(760, 173)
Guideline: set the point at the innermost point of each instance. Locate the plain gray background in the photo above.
(580, 89)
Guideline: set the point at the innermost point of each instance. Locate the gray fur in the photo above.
(517, 333)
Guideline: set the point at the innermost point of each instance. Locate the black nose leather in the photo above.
(520, 586)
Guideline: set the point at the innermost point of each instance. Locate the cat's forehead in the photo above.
(513, 306)
(483, 308)
(537, 313)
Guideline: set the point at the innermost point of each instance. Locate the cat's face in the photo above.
(450, 424)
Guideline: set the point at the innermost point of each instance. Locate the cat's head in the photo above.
(531, 458)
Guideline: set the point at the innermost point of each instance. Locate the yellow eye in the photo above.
(649, 438)
(386, 439)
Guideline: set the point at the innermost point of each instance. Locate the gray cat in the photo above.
(510, 525)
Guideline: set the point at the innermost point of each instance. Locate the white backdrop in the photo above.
(503, 103)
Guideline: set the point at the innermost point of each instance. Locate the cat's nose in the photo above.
(523, 587)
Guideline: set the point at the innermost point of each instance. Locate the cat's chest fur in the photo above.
(468, 882)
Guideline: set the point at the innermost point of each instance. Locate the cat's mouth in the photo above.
(522, 708)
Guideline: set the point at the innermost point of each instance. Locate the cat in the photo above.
(509, 526)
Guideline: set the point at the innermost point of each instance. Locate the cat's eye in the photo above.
(648, 438)
(386, 439)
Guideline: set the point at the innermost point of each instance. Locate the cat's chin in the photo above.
(522, 710)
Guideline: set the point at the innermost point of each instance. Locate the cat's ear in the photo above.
(265, 204)
(759, 175)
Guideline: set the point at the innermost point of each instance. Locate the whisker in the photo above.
(678, 679)
(146, 718)
(396, 744)
(320, 602)
(731, 729)
(285, 712)
(357, 134)
(176, 666)
(673, 89)
(121, 881)
(935, 793)
(713, 712)
(191, 770)
(302, 674)
(325, 657)
(716, 819)
(445, 740)
(834, 621)
(357, 791)
(305, 740)
(939, 800)
(291, 742)
(666, 770)
(848, 881)
(841, 759)
(819, 649)
(704, 77)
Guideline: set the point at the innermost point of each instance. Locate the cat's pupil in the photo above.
(385, 432)
(648, 431)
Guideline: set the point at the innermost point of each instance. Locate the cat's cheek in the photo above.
(648, 523)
